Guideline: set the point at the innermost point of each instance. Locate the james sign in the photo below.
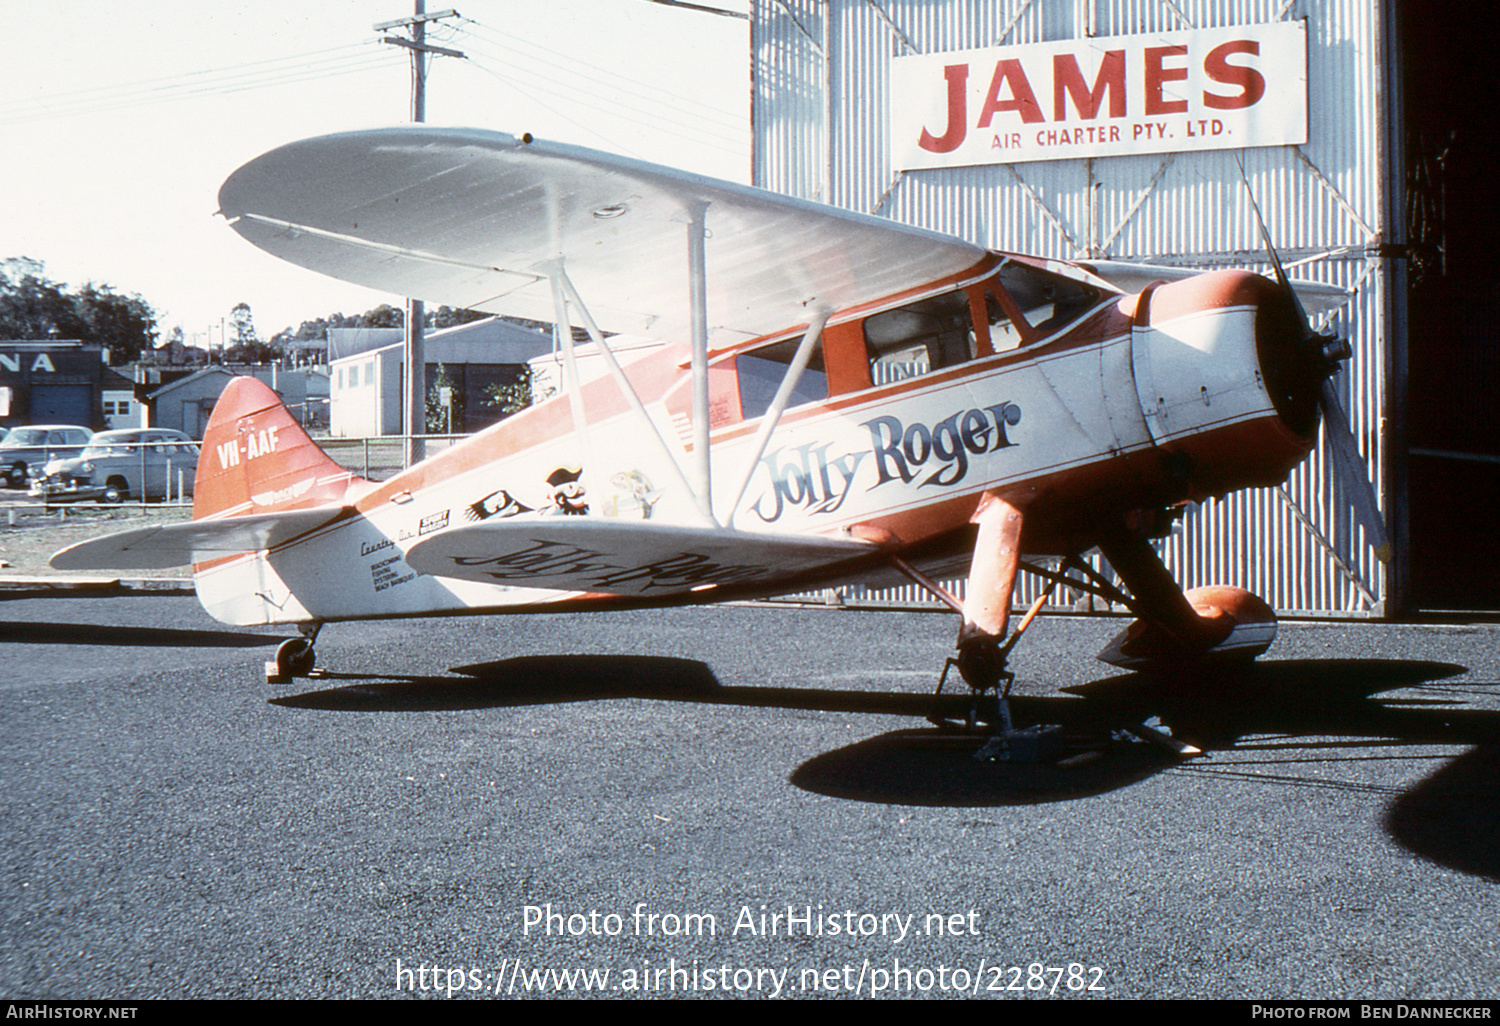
(1225, 88)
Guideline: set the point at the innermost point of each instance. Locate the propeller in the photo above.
(1326, 351)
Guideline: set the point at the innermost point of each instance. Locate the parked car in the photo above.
(133, 463)
(28, 449)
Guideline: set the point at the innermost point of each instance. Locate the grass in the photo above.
(30, 533)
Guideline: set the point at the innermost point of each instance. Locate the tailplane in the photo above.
(261, 483)
(256, 458)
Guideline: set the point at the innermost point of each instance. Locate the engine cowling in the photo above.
(1224, 382)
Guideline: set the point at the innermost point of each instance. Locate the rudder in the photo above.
(256, 458)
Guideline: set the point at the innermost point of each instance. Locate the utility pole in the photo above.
(416, 351)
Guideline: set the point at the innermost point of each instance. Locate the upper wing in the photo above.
(465, 217)
(168, 545)
(598, 554)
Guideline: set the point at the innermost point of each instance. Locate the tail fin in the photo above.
(257, 459)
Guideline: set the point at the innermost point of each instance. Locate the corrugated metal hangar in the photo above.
(1139, 130)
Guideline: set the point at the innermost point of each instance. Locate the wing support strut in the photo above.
(779, 404)
(562, 337)
(697, 236)
(564, 297)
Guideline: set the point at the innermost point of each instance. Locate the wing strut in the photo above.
(698, 300)
(779, 404)
(562, 337)
(565, 296)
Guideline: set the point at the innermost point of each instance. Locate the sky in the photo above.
(119, 122)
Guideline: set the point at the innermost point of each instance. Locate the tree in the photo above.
(448, 317)
(511, 398)
(247, 347)
(31, 306)
(383, 316)
(125, 325)
(449, 418)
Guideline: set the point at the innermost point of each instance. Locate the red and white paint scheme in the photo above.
(841, 398)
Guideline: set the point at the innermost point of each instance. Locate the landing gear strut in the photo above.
(1172, 629)
(981, 662)
(295, 657)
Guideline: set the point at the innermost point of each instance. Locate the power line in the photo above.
(621, 109)
(610, 80)
(625, 100)
(271, 73)
(702, 9)
(546, 106)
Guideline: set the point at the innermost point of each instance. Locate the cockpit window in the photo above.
(1048, 301)
(920, 337)
(1004, 334)
(762, 370)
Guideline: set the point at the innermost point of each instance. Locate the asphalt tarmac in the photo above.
(738, 801)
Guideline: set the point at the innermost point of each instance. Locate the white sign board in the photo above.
(1208, 89)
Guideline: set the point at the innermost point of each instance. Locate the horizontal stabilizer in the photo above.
(169, 545)
(627, 558)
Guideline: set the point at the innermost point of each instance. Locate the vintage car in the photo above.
(134, 463)
(27, 449)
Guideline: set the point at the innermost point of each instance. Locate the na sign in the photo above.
(1208, 89)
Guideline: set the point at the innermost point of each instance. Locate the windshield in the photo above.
(1047, 301)
(27, 436)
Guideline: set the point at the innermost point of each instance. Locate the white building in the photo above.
(547, 374)
(367, 365)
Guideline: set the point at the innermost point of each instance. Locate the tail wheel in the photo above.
(295, 658)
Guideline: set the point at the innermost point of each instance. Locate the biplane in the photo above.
(838, 398)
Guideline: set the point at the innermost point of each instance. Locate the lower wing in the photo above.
(629, 558)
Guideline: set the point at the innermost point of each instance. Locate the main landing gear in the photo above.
(295, 657)
(982, 662)
(1173, 632)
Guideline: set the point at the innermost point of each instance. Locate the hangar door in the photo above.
(62, 404)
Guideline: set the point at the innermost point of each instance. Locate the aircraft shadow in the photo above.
(1453, 817)
(543, 680)
(1214, 707)
(1296, 700)
(936, 767)
(29, 632)
(529, 680)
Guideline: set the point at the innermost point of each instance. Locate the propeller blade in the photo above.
(1265, 238)
(1350, 468)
